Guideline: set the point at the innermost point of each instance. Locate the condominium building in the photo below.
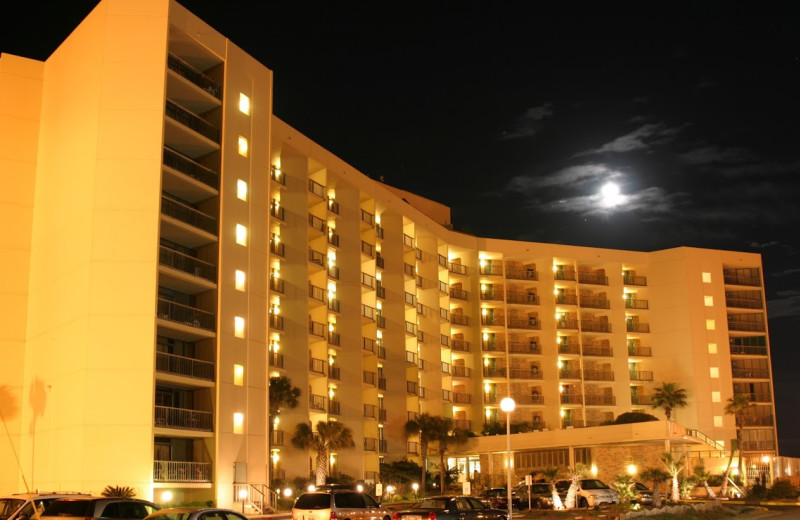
(173, 245)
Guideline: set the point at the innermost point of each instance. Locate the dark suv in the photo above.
(498, 499)
(342, 504)
(87, 508)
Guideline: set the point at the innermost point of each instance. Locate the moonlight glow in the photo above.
(610, 195)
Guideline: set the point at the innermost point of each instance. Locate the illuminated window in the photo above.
(244, 104)
(240, 280)
(712, 348)
(716, 397)
(238, 327)
(718, 421)
(241, 189)
(706, 277)
(708, 300)
(711, 325)
(242, 146)
(241, 235)
(238, 375)
(714, 372)
(238, 423)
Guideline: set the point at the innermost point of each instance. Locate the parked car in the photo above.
(540, 496)
(450, 507)
(643, 494)
(498, 499)
(195, 513)
(338, 503)
(87, 508)
(20, 506)
(591, 492)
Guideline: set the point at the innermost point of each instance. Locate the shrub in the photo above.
(783, 489)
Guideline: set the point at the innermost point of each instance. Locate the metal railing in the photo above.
(191, 316)
(183, 419)
(184, 366)
(177, 210)
(521, 273)
(188, 264)
(316, 188)
(178, 471)
(185, 70)
(592, 278)
(179, 162)
(188, 119)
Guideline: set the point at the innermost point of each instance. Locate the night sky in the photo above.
(517, 114)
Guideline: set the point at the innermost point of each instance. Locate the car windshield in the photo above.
(8, 506)
(313, 501)
(593, 484)
(348, 500)
(431, 503)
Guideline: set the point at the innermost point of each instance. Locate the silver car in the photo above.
(195, 513)
(341, 504)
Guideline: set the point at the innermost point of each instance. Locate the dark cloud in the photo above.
(530, 123)
(643, 138)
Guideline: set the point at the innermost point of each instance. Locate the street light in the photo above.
(243, 497)
(508, 405)
(415, 487)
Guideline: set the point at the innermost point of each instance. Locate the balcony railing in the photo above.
(190, 120)
(595, 326)
(569, 348)
(522, 298)
(740, 279)
(529, 323)
(569, 373)
(177, 471)
(276, 437)
(524, 347)
(639, 351)
(178, 161)
(599, 400)
(744, 303)
(276, 284)
(367, 218)
(318, 402)
(567, 299)
(567, 324)
(185, 70)
(492, 345)
(368, 345)
(318, 366)
(598, 375)
(183, 419)
(276, 359)
(179, 211)
(277, 211)
(525, 373)
(597, 350)
(316, 293)
(636, 304)
(595, 303)
(408, 240)
(316, 223)
(521, 273)
(748, 350)
(630, 279)
(638, 327)
(460, 371)
(335, 373)
(184, 366)
(641, 375)
(750, 373)
(565, 275)
(641, 399)
(369, 378)
(277, 175)
(758, 445)
(412, 448)
(316, 328)
(277, 248)
(459, 398)
(315, 257)
(756, 397)
(494, 372)
(459, 319)
(188, 264)
(458, 294)
(370, 444)
(275, 321)
(462, 424)
(746, 326)
(571, 399)
(191, 316)
(368, 249)
(458, 269)
(370, 411)
(459, 345)
(316, 188)
(592, 278)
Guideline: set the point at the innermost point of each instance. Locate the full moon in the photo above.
(610, 195)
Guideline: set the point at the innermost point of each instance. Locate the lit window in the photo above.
(242, 146)
(706, 277)
(716, 397)
(241, 235)
(238, 327)
(714, 372)
(244, 104)
(238, 423)
(718, 421)
(711, 325)
(712, 348)
(241, 189)
(240, 280)
(238, 375)
(708, 300)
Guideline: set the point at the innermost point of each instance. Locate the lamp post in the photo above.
(508, 405)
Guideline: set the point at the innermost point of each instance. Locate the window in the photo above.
(718, 421)
(238, 375)
(240, 280)
(716, 397)
(712, 348)
(708, 300)
(706, 277)
(714, 372)
(238, 423)
(241, 189)
(243, 145)
(244, 104)
(238, 327)
(241, 235)
(711, 325)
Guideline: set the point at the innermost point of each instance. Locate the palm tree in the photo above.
(703, 475)
(281, 395)
(575, 474)
(656, 476)
(428, 428)
(550, 474)
(119, 492)
(736, 406)
(674, 467)
(450, 436)
(669, 396)
(330, 436)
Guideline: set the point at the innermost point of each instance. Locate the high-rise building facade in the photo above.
(174, 245)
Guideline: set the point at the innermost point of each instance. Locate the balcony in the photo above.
(598, 375)
(412, 448)
(333, 305)
(316, 328)
(492, 294)
(205, 137)
(316, 189)
(277, 248)
(758, 445)
(458, 269)
(369, 378)
(459, 319)
(569, 373)
(318, 403)
(462, 424)
(494, 372)
(370, 444)
(748, 277)
(598, 350)
(367, 218)
(318, 366)
(459, 398)
(412, 387)
(187, 264)
(493, 345)
(528, 323)
(522, 298)
(636, 304)
(526, 373)
(368, 313)
(521, 273)
(276, 360)
(524, 347)
(178, 471)
(641, 375)
(567, 324)
(569, 348)
(334, 373)
(277, 175)
(183, 419)
(744, 303)
(750, 373)
(275, 321)
(368, 345)
(316, 293)
(460, 371)
(642, 400)
(316, 223)
(370, 411)
(458, 294)
(316, 258)
(595, 326)
(188, 215)
(276, 438)
(756, 397)
(745, 323)
(368, 249)
(565, 275)
(571, 399)
(532, 398)
(600, 400)
(184, 366)
(631, 279)
(566, 299)
(367, 280)
(748, 350)
(634, 350)
(186, 71)
(183, 164)
(408, 241)
(179, 313)
(334, 338)
(459, 345)
(592, 278)
(491, 270)
(638, 327)
(334, 407)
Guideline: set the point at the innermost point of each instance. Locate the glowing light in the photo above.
(166, 496)
(242, 494)
(311, 488)
(244, 104)
(507, 404)
(594, 470)
(287, 492)
(632, 470)
(610, 195)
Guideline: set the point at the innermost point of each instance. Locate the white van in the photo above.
(21, 505)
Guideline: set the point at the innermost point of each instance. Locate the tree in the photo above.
(702, 476)
(449, 437)
(656, 476)
(330, 436)
(669, 396)
(736, 406)
(119, 492)
(428, 428)
(674, 466)
(281, 395)
(575, 474)
(633, 417)
(550, 475)
(623, 485)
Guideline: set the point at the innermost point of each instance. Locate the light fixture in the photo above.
(507, 404)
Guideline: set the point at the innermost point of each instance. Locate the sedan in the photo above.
(195, 513)
(450, 508)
